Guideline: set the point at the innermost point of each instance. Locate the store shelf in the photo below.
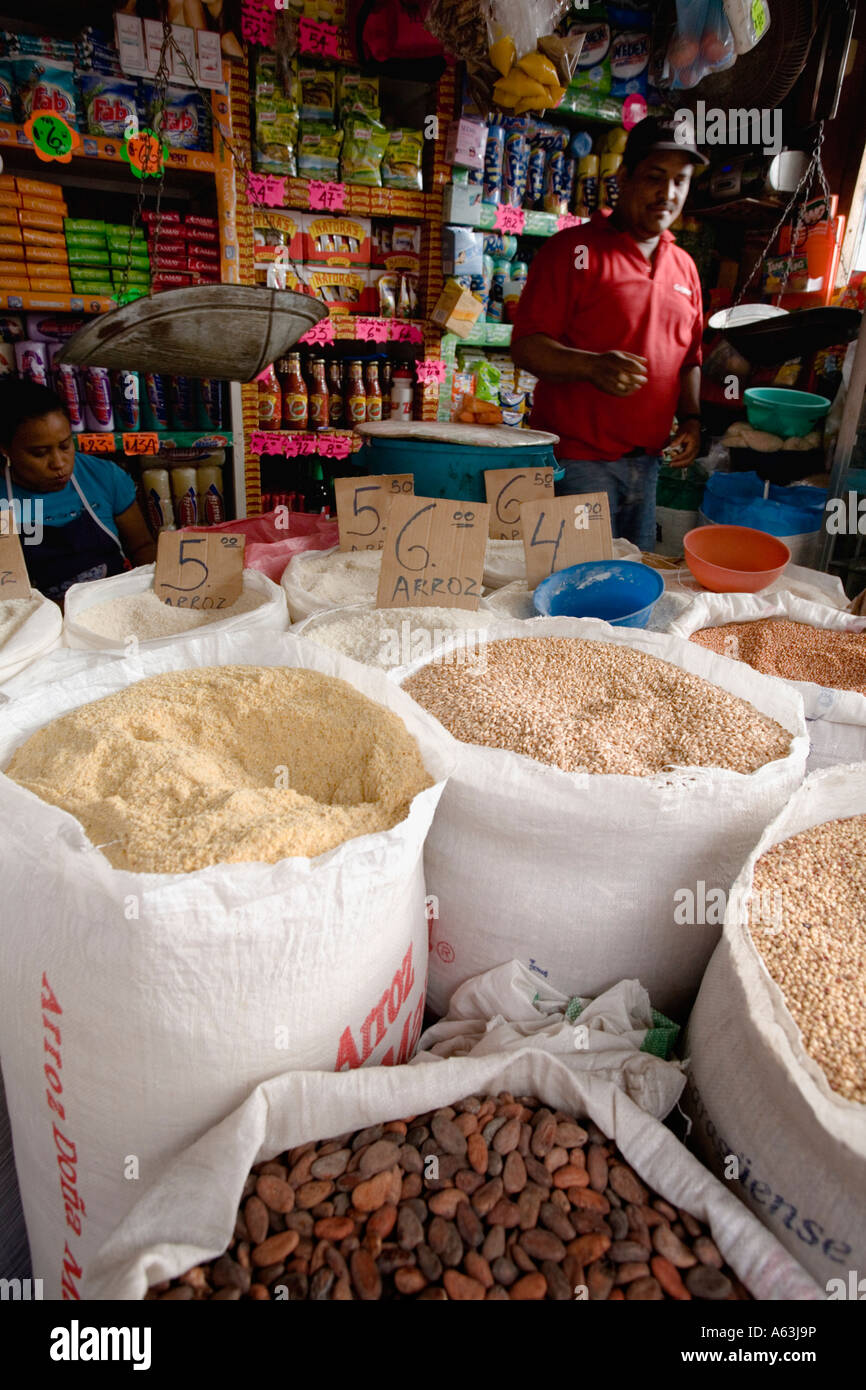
(59, 303)
(362, 201)
(94, 147)
(483, 215)
(483, 334)
(168, 439)
(377, 330)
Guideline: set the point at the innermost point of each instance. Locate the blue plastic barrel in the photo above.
(443, 468)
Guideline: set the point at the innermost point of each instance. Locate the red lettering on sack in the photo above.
(394, 1003)
(59, 1140)
(67, 1152)
(376, 1015)
(49, 1072)
(46, 1023)
(347, 1055)
(50, 1003)
(55, 1105)
(71, 1269)
(46, 1046)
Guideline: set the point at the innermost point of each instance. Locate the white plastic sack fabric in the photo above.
(836, 719)
(166, 997)
(420, 630)
(805, 583)
(515, 601)
(37, 635)
(505, 561)
(576, 874)
(753, 1090)
(189, 1215)
(271, 612)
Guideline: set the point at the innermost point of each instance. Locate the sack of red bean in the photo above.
(785, 1096)
(501, 1176)
(818, 650)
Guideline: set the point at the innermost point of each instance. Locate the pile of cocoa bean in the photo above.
(496, 1198)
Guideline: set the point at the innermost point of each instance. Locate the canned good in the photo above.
(514, 166)
(69, 391)
(535, 175)
(210, 404)
(157, 400)
(127, 395)
(97, 392)
(181, 407)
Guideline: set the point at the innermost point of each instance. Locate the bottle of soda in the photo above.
(387, 378)
(336, 413)
(319, 408)
(295, 400)
(374, 392)
(356, 396)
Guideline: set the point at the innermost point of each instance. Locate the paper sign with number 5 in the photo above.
(199, 571)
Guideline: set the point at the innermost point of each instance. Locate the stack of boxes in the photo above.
(183, 250)
(33, 253)
(105, 257)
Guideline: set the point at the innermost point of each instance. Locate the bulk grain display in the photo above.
(776, 1041)
(391, 637)
(634, 766)
(199, 739)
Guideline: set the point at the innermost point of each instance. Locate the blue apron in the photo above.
(74, 553)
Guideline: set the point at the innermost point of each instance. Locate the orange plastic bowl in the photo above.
(734, 559)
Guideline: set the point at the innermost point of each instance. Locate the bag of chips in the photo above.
(401, 165)
(363, 151)
(319, 150)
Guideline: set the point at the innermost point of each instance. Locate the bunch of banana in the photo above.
(531, 83)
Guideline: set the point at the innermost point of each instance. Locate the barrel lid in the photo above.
(476, 436)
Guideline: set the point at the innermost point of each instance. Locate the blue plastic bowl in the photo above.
(620, 592)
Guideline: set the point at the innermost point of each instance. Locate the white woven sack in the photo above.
(271, 612)
(37, 635)
(836, 719)
(505, 561)
(576, 874)
(189, 1215)
(138, 1009)
(755, 1093)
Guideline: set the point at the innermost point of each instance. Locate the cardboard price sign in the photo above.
(195, 571)
(14, 581)
(145, 442)
(507, 489)
(565, 531)
(96, 443)
(433, 554)
(364, 505)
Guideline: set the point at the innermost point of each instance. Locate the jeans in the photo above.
(630, 485)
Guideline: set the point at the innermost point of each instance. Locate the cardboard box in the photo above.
(392, 241)
(347, 291)
(462, 203)
(462, 251)
(456, 310)
(50, 205)
(38, 188)
(48, 286)
(281, 228)
(466, 144)
(335, 240)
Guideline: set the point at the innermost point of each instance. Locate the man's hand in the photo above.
(618, 373)
(685, 446)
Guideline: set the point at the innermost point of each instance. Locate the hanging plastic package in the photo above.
(703, 43)
(630, 46)
(794, 514)
(749, 21)
(593, 65)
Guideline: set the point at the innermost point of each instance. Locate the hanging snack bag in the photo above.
(358, 95)
(318, 94)
(45, 87)
(110, 103)
(401, 165)
(363, 151)
(630, 46)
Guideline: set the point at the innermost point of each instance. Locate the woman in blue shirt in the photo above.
(88, 520)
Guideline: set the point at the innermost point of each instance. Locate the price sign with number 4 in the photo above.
(199, 571)
(565, 531)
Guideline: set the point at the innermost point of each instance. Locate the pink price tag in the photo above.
(321, 332)
(509, 219)
(307, 444)
(373, 330)
(258, 22)
(406, 333)
(334, 446)
(318, 38)
(263, 443)
(327, 197)
(266, 190)
(568, 219)
(634, 109)
(431, 369)
(290, 446)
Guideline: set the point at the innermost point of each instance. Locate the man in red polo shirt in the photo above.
(610, 322)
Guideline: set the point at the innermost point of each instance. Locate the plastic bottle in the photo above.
(319, 404)
(356, 396)
(69, 391)
(402, 394)
(270, 400)
(374, 392)
(295, 395)
(184, 494)
(97, 391)
(211, 498)
(156, 486)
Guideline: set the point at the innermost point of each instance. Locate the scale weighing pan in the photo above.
(798, 334)
(224, 332)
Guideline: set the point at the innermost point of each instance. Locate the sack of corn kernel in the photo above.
(138, 1007)
(816, 666)
(107, 614)
(189, 1216)
(574, 872)
(29, 627)
(776, 1043)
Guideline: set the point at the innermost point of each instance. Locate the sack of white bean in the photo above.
(107, 613)
(523, 1235)
(574, 872)
(836, 717)
(777, 1069)
(138, 1006)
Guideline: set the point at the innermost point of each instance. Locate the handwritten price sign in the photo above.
(334, 446)
(258, 22)
(321, 332)
(568, 219)
(319, 39)
(327, 197)
(406, 333)
(14, 580)
(431, 370)
(96, 443)
(266, 190)
(263, 443)
(144, 443)
(199, 571)
(53, 138)
(373, 330)
(509, 219)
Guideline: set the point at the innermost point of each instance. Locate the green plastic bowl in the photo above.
(786, 413)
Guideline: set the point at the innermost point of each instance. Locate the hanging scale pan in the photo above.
(227, 332)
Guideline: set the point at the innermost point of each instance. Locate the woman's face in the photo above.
(42, 453)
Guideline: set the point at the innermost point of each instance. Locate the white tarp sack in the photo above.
(189, 1215)
(805, 583)
(138, 1009)
(271, 611)
(755, 1093)
(836, 719)
(38, 634)
(575, 875)
(505, 561)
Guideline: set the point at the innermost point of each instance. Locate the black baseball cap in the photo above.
(660, 133)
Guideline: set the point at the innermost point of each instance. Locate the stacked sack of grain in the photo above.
(619, 766)
(214, 849)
